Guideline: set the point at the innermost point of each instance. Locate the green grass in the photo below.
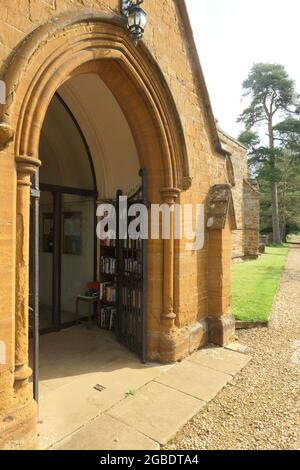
(255, 284)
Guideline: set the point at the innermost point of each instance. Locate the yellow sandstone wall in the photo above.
(246, 200)
(240, 168)
(167, 40)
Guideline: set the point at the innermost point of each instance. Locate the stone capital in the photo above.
(169, 315)
(170, 195)
(22, 372)
(26, 166)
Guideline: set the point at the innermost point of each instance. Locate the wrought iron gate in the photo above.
(34, 284)
(131, 321)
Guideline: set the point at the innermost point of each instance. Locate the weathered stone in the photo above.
(162, 93)
(246, 200)
(18, 428)
(195, 380)
(6, 135)
(223, 360)
(151, 411)
(222, 330)
(106, 433)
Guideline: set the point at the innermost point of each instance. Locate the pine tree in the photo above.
(271, 95)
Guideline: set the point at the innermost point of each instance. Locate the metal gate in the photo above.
(131, 318)
(34, 281)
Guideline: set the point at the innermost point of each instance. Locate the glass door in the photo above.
(77, 253)
(66, 254)
(46, 256)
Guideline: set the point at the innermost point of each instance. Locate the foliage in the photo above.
(270, 91)
(255, 283)
(287, 133)
(271, 95)
(288, 196)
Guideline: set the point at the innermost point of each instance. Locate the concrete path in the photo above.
(261, 407)
(96, 395)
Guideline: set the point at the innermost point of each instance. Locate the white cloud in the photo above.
(231, 35)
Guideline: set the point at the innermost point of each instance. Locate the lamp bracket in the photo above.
(126, 6)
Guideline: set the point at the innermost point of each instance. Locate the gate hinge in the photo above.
(36, 193)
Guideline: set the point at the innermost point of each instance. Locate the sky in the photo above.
(231, 35)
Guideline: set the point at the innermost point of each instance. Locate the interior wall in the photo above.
(105, 140)
(65, 160)
(107, 132)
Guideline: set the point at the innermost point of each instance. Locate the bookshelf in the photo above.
(107, 309)
(123, 283)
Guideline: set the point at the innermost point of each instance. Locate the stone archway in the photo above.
(62, 48)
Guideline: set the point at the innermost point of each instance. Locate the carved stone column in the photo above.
(169, 195)
(25, 167)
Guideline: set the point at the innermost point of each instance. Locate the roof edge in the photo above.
(200, 77)
(233, 139)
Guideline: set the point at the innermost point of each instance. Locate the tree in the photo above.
(286, 174)
(271, 95)
(287, 133)
(288, 195)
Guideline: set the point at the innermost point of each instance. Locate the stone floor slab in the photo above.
(66, 409)
(76, 360)
(71, 365)
(157, 411)
(238, 347)
(195, 380)
(223, 360)
(106, 433)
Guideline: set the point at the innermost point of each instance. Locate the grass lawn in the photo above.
(255, 284)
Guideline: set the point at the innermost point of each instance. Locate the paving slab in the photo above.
(166, 397)
(238, 347)
(106, 433)
(157, 411)
(66, 409)
(195, 380)
(223, 360)
(68, 399)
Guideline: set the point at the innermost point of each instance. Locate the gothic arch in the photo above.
(80, 42)
(64, 47)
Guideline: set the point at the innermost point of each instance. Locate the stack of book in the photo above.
(92, 289)
(108, 292)
(108, 265)
(107, 318)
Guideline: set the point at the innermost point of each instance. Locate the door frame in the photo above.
(57, 193)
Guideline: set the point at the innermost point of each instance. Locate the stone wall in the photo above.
(245, 239)
(208, 166)
(21, 17)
